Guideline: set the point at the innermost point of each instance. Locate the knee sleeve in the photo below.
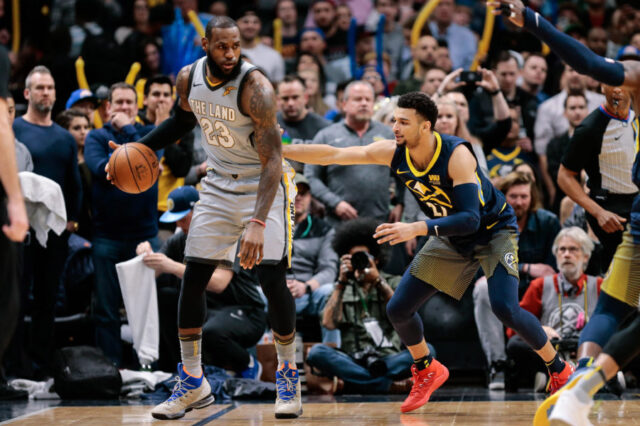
(282, 306)
(192, 305)
(503, 294)
(607, 317)
(410, 294)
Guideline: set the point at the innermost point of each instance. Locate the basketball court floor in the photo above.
(449, 406)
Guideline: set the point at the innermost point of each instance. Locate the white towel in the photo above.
(138, 286)
(45, 205)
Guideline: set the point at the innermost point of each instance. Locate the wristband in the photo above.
(258, 221)
(495, 92)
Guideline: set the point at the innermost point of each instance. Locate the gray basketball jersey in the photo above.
(227, 133)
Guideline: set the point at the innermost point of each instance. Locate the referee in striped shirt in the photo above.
(604, 147)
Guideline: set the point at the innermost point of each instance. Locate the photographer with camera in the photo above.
(370, 357)
(563, 302)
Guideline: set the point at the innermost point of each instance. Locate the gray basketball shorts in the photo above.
(438, 263)
(220, 217)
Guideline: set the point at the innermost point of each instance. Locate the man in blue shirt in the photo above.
(121, 221)
(55, 156)
(461, 40)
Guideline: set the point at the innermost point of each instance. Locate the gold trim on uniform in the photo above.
(436, 154)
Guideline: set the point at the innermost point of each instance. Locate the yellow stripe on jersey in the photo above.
(288, 180)
(480, 193)
(436, 154)
(506, 157)
(635, 124)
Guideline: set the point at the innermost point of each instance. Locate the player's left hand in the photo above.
(510, 9)
(395, 233)
(251, 246)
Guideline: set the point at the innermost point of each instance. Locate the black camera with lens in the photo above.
(370, 360)
(360, 260)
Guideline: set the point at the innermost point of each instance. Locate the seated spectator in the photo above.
(563, 302)
(236, 318)
(314, 264)
(371, 357)
(538, 228)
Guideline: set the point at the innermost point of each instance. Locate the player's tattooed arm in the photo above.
(259, 102)
(182, 87)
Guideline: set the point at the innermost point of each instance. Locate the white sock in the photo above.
(286, 351)
(191, 351)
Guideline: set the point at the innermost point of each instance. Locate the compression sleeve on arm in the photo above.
(574, 53)
(170, 130)
(466, 220)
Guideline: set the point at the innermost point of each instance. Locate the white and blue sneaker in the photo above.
(253, 370)
(188, 393)
(288, 400)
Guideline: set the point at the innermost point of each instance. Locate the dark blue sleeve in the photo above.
(97, 153)
(467, 218)
(73, 184)
(574, 53)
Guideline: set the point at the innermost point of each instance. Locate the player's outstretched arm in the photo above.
(380, 152)
(577, 55)
(259, 101)
(181, 122)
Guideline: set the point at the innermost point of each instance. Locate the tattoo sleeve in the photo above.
(332, 314)
(260, 102)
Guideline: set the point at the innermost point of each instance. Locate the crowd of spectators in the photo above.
(539, 129)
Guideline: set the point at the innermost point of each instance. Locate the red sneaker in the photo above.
(425, 382)
(558, 380)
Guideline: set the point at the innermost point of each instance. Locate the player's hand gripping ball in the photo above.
(133, 168)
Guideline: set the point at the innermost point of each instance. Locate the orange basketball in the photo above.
(133, 168)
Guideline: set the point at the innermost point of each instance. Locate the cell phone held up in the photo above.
(470, 77)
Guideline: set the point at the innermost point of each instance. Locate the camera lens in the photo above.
(360, 260)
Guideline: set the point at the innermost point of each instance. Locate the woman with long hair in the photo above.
(78, 124)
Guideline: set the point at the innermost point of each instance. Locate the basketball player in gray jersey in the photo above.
(245, 199)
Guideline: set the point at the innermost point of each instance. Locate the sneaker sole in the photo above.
(289, 415)
(437, 383)
(541, 417)
(204, 402)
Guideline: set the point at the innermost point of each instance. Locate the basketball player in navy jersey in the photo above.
(621, 287)
(245, 198)
(471, 224)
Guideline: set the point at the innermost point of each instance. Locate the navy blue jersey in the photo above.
(433, 189)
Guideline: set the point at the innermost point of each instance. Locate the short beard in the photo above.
(41, 108)
(217, 72)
